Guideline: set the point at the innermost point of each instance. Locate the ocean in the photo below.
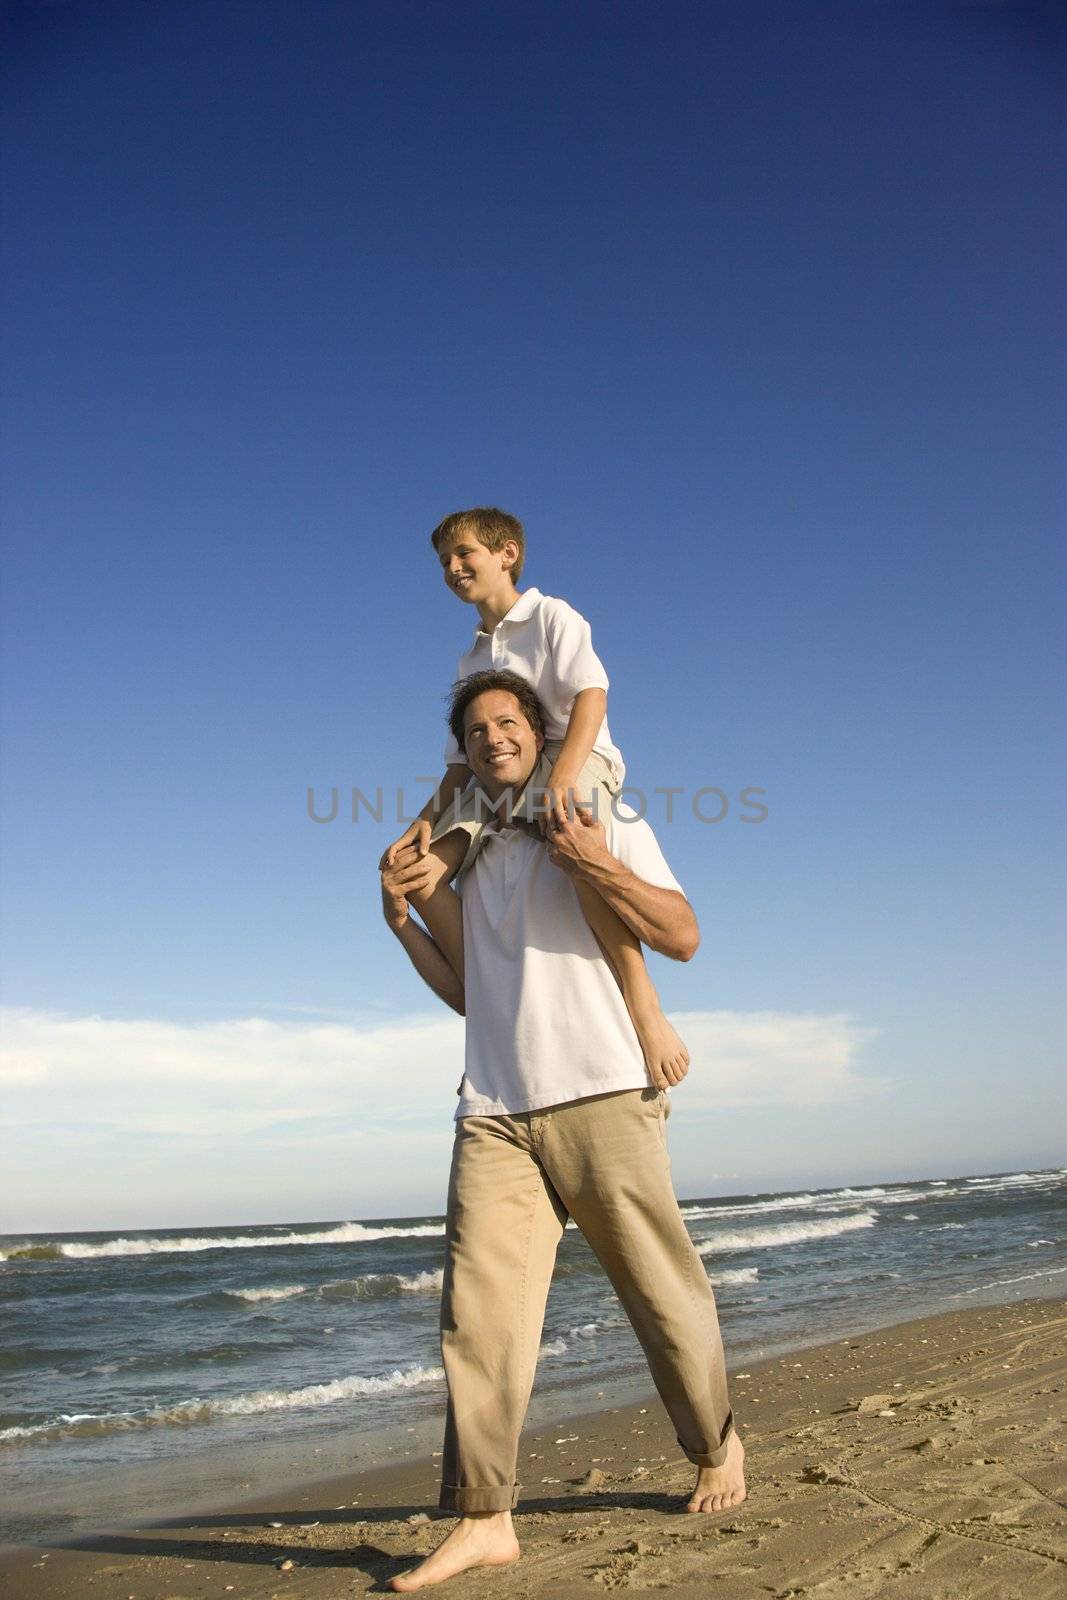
(311, 1344)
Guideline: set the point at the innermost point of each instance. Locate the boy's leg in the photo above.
(457, 835)
(666, 1056)
(607, 1159)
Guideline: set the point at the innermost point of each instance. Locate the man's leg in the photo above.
(504, 1224)
(607, 1158)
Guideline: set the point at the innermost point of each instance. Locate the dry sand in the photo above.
(928, 1460)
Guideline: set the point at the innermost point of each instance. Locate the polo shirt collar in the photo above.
(521, 611)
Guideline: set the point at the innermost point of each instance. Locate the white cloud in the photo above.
(771, 1058)
(248, 1073)
(141, 1122)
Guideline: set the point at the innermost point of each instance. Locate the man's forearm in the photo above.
(431, 965)
(661, 918)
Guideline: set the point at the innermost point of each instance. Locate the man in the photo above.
(556, 1119)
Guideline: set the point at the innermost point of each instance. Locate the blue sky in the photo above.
(749, 311)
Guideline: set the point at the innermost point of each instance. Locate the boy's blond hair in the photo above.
(489, 526)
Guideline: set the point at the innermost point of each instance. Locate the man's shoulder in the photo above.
(633, 841)
(622, 822)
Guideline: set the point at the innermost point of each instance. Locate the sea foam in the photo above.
(253, 1296)
(1026, 1277)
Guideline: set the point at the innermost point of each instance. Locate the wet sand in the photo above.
(928, 1460)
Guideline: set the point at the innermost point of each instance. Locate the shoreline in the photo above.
(925, 1447)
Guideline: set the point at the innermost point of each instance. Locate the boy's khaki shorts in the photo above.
(472, 811)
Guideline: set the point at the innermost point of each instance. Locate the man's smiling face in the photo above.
(502, 748)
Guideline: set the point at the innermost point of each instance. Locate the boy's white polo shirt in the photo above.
(546, 1021)
(549, 644)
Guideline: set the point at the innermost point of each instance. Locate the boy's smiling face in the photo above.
(471, 571)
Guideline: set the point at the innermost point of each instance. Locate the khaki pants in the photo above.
(515, 1180)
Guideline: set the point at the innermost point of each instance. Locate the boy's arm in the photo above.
(457, 776)
(424, 955)
(579, 673)
(587, 713)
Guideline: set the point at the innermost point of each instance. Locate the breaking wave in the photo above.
(343, 1233)
(1006, 1183)
(785, 1233)
(190, 1413)
(253, 1296)
(734, 1275)
(832, 1200)
(380, 1285)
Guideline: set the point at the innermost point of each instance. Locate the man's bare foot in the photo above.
(719, 1488)
(479, 1541)
(666, 1056)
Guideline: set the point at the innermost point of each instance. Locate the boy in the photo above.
(548, 643)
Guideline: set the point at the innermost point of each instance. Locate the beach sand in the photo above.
(927, 1460)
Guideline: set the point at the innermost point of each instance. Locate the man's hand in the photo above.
(579, 845)
(439, 965)
(395, 908)
(407, 882)
(418, 835)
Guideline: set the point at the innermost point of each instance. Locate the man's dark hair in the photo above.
(468, 689)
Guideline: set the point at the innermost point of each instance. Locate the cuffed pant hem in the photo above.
(715, 1458)
(465, 1499)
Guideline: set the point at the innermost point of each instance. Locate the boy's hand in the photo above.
(578, 844)
(558, 802)
(418, 834)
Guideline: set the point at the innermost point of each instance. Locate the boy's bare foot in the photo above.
(666, 1056)
(719, 1488)
(480, 1541)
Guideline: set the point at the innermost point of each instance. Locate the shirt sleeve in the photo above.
(574, 661)
(633, 843)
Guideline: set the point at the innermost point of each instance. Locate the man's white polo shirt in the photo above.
(549, 644)
(546, 1021)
